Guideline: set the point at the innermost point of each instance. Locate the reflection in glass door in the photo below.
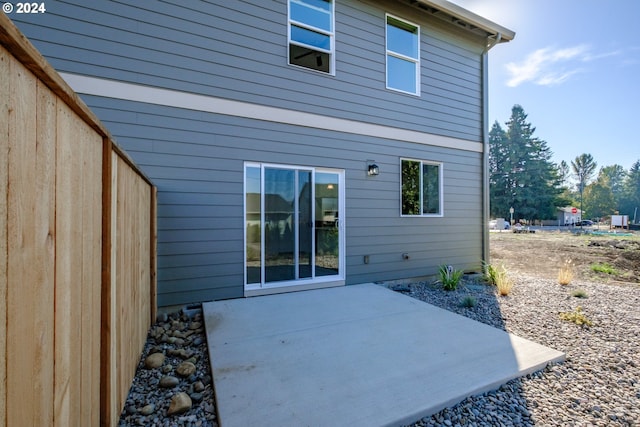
(327, 251)
(279, 224)
(305, 225)
(292, 225)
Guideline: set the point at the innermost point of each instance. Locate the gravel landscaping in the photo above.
(173, 384)
(598, 384)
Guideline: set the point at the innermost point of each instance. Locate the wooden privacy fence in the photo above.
(77, 251)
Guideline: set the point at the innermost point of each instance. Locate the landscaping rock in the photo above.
(147, 409)
(154, 361)
(149, 400)
(180, 403)
(168, 381)
(195, 325)
(186, 369)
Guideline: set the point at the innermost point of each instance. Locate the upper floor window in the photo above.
(311, 35)
(403, 56)
(421, 188)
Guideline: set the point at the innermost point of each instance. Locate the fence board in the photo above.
(20, 247)
(26, 290)
(45, 258)
(91, 273)
(68, 270)
(96, 302)
(4, 173)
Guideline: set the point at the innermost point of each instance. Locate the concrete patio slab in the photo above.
(357, 355)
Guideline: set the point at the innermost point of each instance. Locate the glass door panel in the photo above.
(280, 225)
(253, 218)
(305, 225)
(327, 236)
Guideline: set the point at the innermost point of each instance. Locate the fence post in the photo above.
(105, 308)
(153, 285)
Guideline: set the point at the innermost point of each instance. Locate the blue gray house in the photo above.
(295, 144)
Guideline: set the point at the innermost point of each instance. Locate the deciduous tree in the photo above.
(615, 175)
(599, 197)
(583, 168)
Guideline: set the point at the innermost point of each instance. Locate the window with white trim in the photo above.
(421, 188)
(311, 35)
(403, 56)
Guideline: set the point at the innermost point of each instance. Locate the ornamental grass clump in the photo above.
(503, 281)
(449, 277)
(468, 302)
(490, 273)
(577, 316)
(565, 276)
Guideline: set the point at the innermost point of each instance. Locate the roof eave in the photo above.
(501, 34)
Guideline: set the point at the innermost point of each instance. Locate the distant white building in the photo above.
(569, 215)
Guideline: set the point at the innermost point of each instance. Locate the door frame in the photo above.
(266, 288)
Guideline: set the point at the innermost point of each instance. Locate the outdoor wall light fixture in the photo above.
(373, 170)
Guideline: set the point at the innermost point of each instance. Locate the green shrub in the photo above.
(604, 268)
(468, 302)
(449, 277)
(576, 316)
(579, 293)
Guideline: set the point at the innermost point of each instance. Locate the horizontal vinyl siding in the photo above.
(196, 159)
(238, 50)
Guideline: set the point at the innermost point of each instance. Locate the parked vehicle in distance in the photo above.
(499, 224)
(585, 223)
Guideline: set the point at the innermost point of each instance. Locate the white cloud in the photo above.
(551, 79)
(550, 66)
(594, 57)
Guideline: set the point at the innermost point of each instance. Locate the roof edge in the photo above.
(501, 33)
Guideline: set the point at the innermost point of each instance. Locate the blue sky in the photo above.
(574, 66)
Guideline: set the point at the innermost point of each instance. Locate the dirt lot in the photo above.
(543, 253)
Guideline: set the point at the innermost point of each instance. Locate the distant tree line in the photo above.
(523, 176)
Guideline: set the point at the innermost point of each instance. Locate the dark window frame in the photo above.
(416, 190)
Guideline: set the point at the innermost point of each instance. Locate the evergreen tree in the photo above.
(631, 191)
(500, 193)
(522, 175)
(564, 173)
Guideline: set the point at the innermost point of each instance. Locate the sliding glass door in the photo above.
(294, 234)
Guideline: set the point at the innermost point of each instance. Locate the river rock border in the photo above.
(173, 384)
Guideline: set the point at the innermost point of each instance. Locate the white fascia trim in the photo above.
(191, 101)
